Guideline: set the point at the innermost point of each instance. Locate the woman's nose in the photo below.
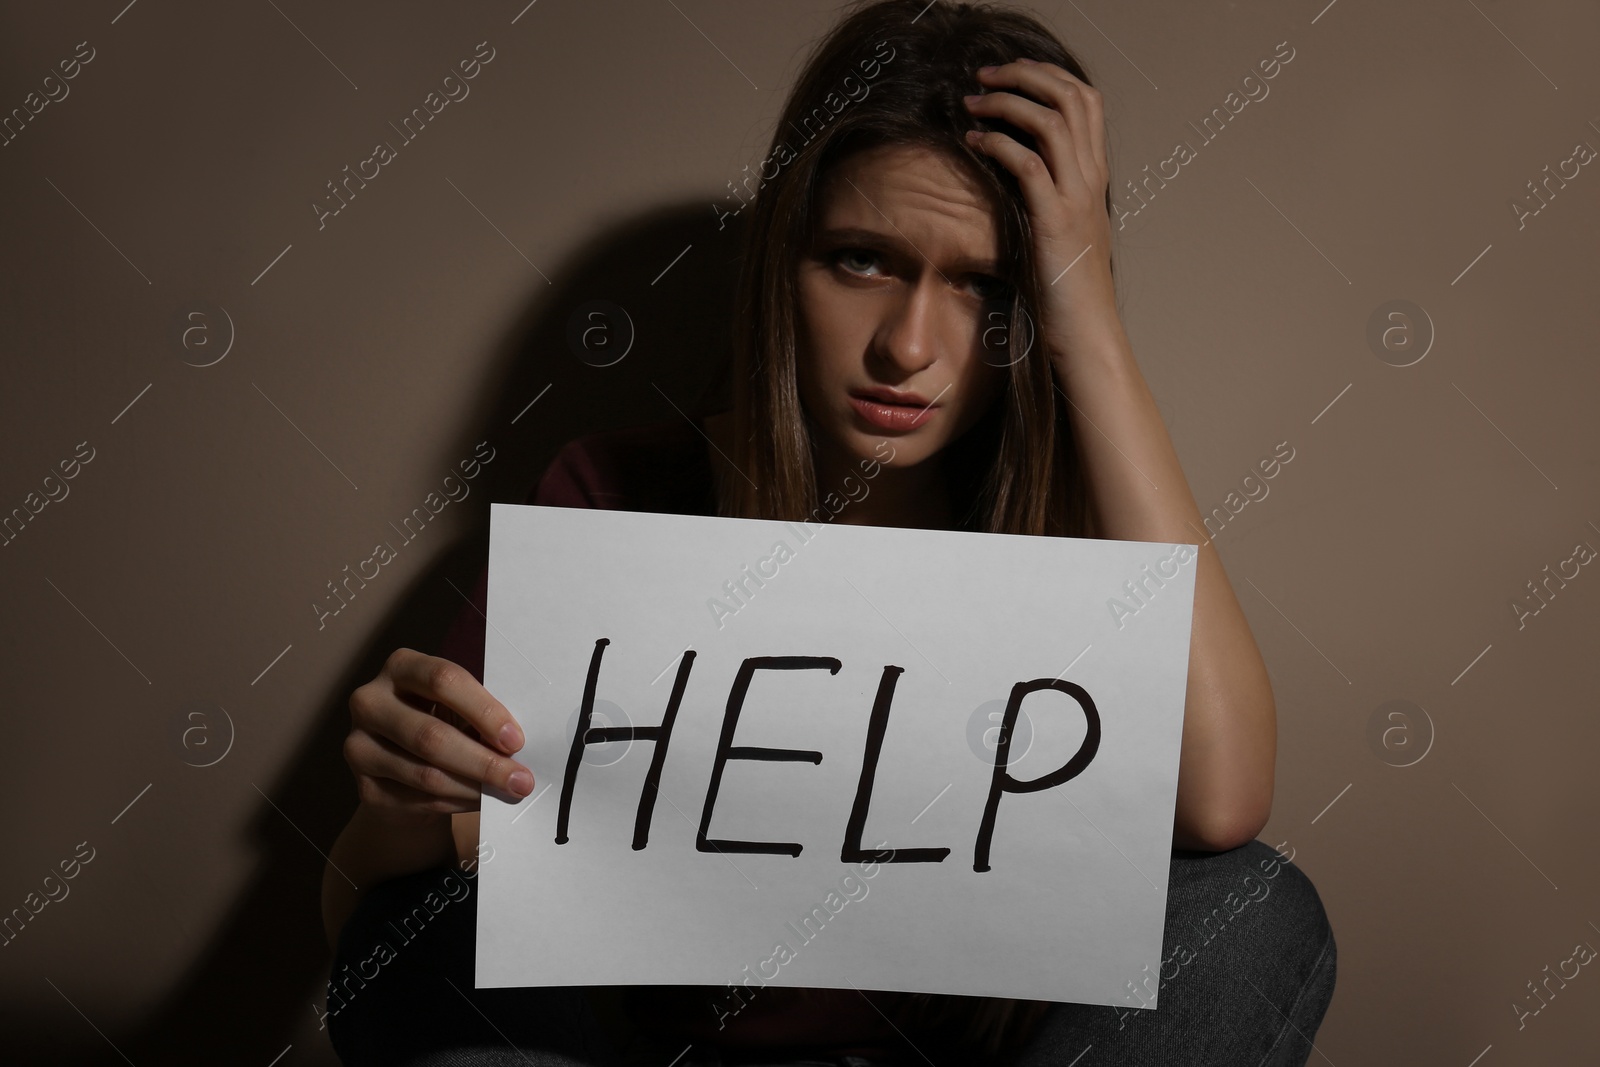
(910, 335)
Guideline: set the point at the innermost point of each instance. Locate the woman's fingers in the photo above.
(381, 708)
(387, 793)
(1073, 146)
(1094, 110)
(1033, 174)
(434, 741)
(376, 757)
(433, 678)
(1052, 130)
(1049, 130)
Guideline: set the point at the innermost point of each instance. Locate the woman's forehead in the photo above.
(897, 195)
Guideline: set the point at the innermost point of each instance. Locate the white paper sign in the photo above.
(834, 692)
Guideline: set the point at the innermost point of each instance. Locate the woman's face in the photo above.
(895, 295)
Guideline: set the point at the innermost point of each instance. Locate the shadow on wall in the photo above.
(252, 988)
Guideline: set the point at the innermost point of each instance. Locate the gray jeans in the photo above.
(1248, 969)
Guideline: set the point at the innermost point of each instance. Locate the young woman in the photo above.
(926, 287)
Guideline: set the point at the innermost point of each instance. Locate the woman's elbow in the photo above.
(1230, 806)
(1223, 829)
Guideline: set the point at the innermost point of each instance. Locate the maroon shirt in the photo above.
(665, 467)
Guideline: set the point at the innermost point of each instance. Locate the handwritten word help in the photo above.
(877, 724)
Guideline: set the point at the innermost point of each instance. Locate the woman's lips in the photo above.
(892, 416)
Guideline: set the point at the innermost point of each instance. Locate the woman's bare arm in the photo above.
(415, 770)
(1225, 773)
(1138, 491)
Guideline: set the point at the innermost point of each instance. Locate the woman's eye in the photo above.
(858, 260)
(844, 255)
(991, 288)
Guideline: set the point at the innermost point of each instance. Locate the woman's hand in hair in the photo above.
(1137, 487)
(1064, 186)
(417, 740)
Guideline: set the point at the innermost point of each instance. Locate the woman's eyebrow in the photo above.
(882, 242)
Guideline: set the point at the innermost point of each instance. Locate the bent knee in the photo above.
(1257, 890)
(1298, 908)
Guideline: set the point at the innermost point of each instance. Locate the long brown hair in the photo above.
(1017, 470)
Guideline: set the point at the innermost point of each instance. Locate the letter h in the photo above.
(584, 735)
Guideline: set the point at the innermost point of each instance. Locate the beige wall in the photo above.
(380, 349)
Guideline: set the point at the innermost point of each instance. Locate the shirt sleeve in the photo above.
(567, 483)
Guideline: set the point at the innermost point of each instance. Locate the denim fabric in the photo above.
(1248, 970)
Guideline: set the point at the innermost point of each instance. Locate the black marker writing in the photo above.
(852, 852)
(584, 735)
(1002, 782)
(727, 751)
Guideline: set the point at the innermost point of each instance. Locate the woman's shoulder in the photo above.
(656, 466)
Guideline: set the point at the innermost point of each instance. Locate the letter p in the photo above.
(1002, 782)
